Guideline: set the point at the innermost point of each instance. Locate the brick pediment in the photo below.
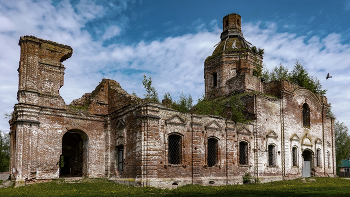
(244, 131)
(272, 134)
(175, 120)
(295, 137)
(306, 140)
(318, 141)
(213, 125)
(120, 124)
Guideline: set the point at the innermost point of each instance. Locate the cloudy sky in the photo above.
(169, 41)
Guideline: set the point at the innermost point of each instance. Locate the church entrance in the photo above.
(307, 155)
(73, 161)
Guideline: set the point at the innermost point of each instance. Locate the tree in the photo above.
(301, 77)
(184, 104)
(298, 75)
(152, 94)
(342, 142)
(4, 152)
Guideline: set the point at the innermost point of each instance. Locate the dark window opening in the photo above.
(243, 153)
(329, 159)
(272, 155)
(212, 152)
(174, 149)
(120, 151)
(318, 157)
(295, 156)
(226, 23)
(215, 79)
(238, 22)
(306, 115)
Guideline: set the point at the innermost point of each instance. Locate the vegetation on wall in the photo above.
(4, 152)
(220, 106)
(151, 95)
(184, 104)
(342, 142)
(298, 75)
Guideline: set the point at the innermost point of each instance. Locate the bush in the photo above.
(247, 178)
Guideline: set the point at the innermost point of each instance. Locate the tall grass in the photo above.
(102, 187)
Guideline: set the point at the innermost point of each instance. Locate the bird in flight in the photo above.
(328, 76)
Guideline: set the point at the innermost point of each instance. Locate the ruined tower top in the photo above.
(231, 26)
(41, 72)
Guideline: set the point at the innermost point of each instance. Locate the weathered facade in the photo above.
(110, 133)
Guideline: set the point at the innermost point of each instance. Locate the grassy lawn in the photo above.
(102, 187)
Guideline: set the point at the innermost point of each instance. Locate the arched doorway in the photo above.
(307, 165)
(73, 161)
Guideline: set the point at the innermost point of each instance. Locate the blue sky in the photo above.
(169, 41)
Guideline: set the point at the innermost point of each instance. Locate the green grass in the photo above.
(102, 187)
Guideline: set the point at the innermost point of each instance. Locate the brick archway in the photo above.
(73, 160)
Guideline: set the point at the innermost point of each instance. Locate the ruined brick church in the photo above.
(110, 133)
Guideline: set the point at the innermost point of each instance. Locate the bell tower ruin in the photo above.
(41, 72)
(233, 57)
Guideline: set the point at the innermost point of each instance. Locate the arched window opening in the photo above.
(294, 156)
(243, 153)
(272, 155)
(120, 158)
(329, 159)
(318, 157)
(306, 115)
(174, 149)
(212, 152)
(215, 79)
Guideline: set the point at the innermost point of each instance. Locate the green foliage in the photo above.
(342, 142)
(279, 72)
(257, 71)
(218, 107)
(247, 178)
(237, 108)
(257, 51)
(254, 50)
(8, 116)
(209, 107)
(261, 52)
(152, 95)
(298, 75)
(329, 112)
(323, 186)
(4, 152)
(84, 107)
(167, 96)
(184, 104)
(301, 77)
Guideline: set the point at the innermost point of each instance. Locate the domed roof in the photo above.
(231, 43)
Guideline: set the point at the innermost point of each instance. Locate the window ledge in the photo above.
(174, 165)
(272, 166)
(244, 165)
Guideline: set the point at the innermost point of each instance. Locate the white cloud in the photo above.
(111, 32)
(175, 63)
